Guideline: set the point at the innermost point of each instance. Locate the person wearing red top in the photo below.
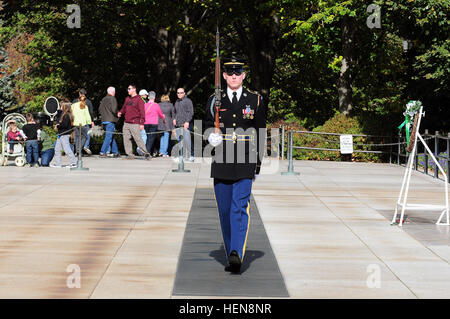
(14, 135)
(152, 114)
(134, 114)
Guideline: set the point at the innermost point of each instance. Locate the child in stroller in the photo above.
(14, 135)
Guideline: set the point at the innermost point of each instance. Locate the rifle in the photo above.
(217, 102)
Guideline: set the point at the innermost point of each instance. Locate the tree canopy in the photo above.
(310, 59)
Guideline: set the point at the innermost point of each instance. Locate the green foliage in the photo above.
(281, 106)
(296, 51)
(426, 26)
(340, 124)
(97, 142)
(46, 77)
(291, 124)
(8, 102)
(303, 88)
(376, 62)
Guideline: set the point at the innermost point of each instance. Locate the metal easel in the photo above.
(402, 202)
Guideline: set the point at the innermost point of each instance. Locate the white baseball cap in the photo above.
(143, 92)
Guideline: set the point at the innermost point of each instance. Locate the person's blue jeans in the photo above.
(109, 143)
(88, 138)
(47, 156)
(144, 136)
(32, 148)
(164, 143)
(11, 145)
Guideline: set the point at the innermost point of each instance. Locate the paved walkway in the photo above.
(121, 224)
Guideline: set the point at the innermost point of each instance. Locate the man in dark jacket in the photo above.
(184, 113)
(134, 113)
(108, 115)
(238, 144)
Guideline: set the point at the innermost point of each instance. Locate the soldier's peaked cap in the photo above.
(233, 63)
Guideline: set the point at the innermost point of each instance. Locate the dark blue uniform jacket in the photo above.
(243, 126)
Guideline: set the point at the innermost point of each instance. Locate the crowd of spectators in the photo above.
(153, 126)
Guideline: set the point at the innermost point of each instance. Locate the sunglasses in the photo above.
(236, 72)
(130, 89)
(180, 92)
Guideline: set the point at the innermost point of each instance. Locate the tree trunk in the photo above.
(344, 83)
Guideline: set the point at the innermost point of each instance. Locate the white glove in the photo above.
(255, 177)
(215, 139)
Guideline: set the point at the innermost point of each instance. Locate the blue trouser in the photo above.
(47, 156)
(11, 145)
(144, 136)
(144, 139)
(84, 135)
(233, 203)
(32, 148)
(164, 143)
(88, 138)
(109, 143)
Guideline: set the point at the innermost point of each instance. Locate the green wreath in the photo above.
(411, 109)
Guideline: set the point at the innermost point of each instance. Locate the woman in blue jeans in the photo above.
(152, 114)
(169, 112)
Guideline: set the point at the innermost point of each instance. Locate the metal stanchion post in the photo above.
(80, 161)
(416, 162)
(180, 168)
(436, 153)
(448, 156)
(291, 162)
(425, 155)
(390, 152)
(282, 142)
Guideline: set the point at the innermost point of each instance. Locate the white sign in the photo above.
(346, 144)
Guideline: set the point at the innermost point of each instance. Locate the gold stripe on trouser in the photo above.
(248, 228)
(220, 224)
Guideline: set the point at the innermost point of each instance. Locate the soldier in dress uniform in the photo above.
(238, 148)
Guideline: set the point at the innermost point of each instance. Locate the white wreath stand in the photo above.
(406, 180)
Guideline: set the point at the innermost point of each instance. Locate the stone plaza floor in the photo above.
(117, 229)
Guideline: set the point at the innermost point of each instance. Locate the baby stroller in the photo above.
(19, 149)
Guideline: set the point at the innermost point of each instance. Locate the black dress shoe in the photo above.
(234, 262)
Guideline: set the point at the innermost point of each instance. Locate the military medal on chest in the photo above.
(248, 112)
